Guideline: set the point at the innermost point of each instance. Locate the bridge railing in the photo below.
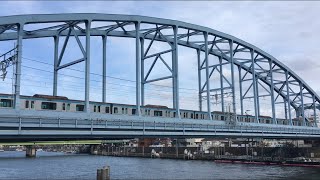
(36, 123)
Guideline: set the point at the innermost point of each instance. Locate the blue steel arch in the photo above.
(291, 98)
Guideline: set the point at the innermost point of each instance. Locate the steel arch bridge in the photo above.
(253, 73)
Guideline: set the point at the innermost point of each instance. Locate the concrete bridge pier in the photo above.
(31, 151)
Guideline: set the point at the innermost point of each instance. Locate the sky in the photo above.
(286, 30)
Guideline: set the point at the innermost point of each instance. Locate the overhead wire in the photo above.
(106, 76)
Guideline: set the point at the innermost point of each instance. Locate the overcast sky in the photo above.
(287, 30)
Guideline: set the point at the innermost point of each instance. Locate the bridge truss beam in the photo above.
(269, 77)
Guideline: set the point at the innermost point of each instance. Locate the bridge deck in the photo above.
(45, 125)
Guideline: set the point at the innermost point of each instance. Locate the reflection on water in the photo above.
(58, 165)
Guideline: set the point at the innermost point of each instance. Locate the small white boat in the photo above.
(70, 152)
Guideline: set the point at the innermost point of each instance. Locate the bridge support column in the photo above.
(104, 71)
(240, 90)
(272, 94)
(175, 72)
(207, 75)
(199, 80)
(314, 111)
(18, 67)
(288, 98)
(285, 108)
(31, 151)
(302, 105)
(255, 88)
(138, 69)
(55, 70)
(234, 108)
(221, 86)
(87, 67)
(142, 71)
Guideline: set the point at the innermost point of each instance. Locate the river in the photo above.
(56, 165)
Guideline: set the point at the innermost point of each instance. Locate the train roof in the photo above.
(156, 106)
(50, 97)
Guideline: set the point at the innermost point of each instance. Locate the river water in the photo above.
(53, 165)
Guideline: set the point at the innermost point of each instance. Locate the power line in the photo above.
(116, 93)
(106, 76)
(80, 77)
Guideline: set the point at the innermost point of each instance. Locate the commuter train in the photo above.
(61, 103)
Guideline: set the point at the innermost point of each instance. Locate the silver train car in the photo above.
(60, 103)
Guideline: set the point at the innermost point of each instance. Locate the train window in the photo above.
(68, 107)
(27, 104)
(107, 109)
(197, 116)
(79, 107)
(63, 106)
(122, 110)
(126, 110)
(174, 114)
(98, 108)
(32, 104)
(5, 103)
(49, 105)
(222, 118)
(191, 116)
(94, 108)
(133, 111)
(157, 113)
(115, 110)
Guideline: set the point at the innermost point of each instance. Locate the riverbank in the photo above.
(242, 159)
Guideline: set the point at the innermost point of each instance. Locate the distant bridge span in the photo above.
(267, 76)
